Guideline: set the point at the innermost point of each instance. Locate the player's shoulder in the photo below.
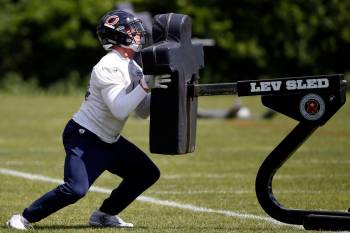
(111, 59)
(109, 70)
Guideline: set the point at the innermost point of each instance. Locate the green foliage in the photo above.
(48, 40)
(273, 38)
(14, 84)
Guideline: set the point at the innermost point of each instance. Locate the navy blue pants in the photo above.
(87, 157)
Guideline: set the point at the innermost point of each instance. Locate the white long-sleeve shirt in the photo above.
(114, 92)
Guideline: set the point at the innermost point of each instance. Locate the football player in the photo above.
(92, 138)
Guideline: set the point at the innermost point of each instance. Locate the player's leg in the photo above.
(82, 167)
(138, 173)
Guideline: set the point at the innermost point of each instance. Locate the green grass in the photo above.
(220, 175)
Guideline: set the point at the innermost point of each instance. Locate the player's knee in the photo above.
(152, 175)
(79, 192)
(73, 192)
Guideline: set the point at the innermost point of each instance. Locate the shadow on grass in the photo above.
(78, 227)
(52, 227)
(237, 228)
(61, 227)
(190, 228)
(138, 228)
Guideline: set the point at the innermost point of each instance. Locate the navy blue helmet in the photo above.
(113, 28)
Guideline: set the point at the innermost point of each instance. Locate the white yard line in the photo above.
(195, 192)
(30, 176)
(245, 192)
(238, 176)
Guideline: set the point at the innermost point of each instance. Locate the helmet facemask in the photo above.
(133, 30)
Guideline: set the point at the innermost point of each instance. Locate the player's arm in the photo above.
(121, 103)
(113, 90)
(143, 109)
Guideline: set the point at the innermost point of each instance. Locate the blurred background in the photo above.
(51, 46)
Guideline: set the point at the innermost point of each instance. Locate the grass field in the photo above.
(211, 190)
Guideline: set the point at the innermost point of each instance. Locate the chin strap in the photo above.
(107, 46)
(133, 47)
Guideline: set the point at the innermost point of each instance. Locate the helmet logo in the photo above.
(111, 21)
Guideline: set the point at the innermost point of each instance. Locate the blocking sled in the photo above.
(310, 100)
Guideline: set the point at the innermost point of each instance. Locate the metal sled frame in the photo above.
(332, 93)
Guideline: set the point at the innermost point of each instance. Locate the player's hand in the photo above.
(159, 81)
(156, 81)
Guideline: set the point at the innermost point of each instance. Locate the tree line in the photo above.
(50, 41)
